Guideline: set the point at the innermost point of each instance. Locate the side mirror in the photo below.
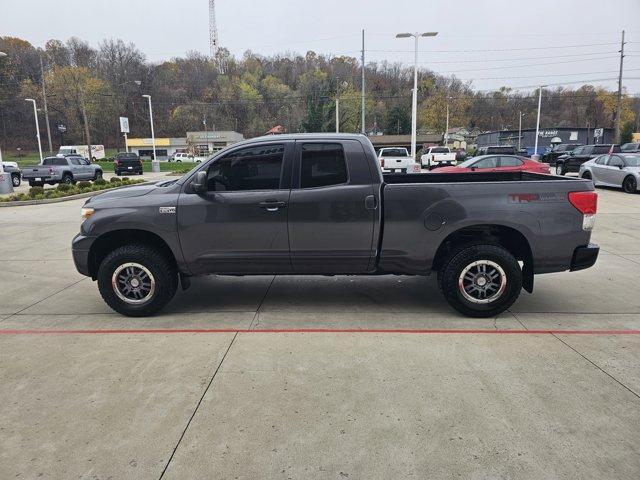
(199, 183)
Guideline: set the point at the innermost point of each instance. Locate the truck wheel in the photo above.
(98, 175)
(480, 280)
(15, 179)
(560, 169)
(137, 280)
(67, 178)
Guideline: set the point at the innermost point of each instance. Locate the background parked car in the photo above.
(497, 163)
(66, 169)
(395, 159)
(560, 149)
(127, 163)
(622, 170)
(630, 148)
(571, 161)
(434, 157)
(15, 172)
(497, 149)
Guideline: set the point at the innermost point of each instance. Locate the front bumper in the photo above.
(584, 257)
(80, 247)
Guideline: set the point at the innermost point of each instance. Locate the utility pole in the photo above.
(362, 114)
(520, 130)
(46, 110)
(446, 128)
(85, 120)
(535, 150)
(337, 113)
(619, 105)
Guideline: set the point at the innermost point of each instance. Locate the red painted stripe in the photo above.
(314, 330)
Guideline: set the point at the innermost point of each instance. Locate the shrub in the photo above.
(33, 191)
(83, 185)
(64, 187)
(100, 181)
(126, 179)
(115, 180)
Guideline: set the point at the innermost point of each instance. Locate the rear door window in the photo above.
(510, 162)
(322, 164)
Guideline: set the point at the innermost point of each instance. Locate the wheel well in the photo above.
(111, 240)
(66, 172)
(510, 238)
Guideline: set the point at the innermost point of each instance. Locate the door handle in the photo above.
(370, 202)
(272, 205)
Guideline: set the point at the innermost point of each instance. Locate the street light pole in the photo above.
(155, 165)
(446, 130)
(520, 130)
(535, 151)
(414, 99)
(337, 114)
(2, 54)
(35, 113)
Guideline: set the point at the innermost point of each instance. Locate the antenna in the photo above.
(213, 29)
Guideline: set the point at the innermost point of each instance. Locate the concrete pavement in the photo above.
(317, 405)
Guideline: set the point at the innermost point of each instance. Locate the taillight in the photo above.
(382, 162)
(587, 204)
(51, 171)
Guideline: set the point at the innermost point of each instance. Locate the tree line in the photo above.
(88, 88)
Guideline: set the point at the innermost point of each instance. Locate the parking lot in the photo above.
(317, 377)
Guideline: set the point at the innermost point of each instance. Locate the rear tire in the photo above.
(97, 175)
(560, 169)
(480, 280)
(147, 266)
(629, 184)
(67, 178)
(586, 175)
(15, 179)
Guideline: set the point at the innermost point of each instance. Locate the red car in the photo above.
(496, 163)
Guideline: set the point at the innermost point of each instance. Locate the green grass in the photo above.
(64, 190)
(33, 158)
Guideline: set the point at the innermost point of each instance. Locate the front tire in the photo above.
(560, 169)
(15, 180)
(629, 184)
(480, 280)
(98, 175)
(137, 280)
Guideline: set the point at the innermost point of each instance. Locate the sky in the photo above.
(492, 43)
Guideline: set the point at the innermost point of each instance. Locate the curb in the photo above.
(21, 203)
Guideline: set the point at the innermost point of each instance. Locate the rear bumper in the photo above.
(584, 257)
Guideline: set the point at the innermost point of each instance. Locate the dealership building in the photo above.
(197, 143)
(547, 137)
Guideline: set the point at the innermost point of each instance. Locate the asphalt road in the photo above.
(265, 377)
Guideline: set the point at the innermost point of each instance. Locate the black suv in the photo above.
(570, 162)
(630, 148)
(552, 155)
(127, 163)
(496, 150)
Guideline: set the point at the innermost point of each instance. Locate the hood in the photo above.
(125, 192)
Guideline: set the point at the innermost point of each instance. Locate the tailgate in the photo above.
(35, 171)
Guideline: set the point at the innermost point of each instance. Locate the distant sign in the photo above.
(598, 132)
(124, 125)
(62, 128)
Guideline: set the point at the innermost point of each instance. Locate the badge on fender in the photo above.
(167, 209)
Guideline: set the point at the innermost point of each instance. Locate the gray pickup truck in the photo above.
(67, 169)
(318, 204)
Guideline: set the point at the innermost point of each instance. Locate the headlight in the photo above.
(87, 212)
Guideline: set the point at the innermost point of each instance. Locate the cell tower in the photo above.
(213, 29)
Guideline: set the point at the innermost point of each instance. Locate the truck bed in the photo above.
(472, 177)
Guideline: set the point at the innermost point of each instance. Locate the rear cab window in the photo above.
(322, 164)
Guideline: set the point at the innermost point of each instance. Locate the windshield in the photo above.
(467, 163)
(629, 147)
(394, 152)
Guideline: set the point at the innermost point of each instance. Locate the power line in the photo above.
(527, 65)
(498, 49)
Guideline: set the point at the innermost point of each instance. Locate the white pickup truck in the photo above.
(395, 159)
(438, 156)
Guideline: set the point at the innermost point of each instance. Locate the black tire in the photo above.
(67, 178)
(15, 179)
(463, 258)
(162, 271)
(586, 175)
(629, 184)
(97, 175)
(560, 169)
